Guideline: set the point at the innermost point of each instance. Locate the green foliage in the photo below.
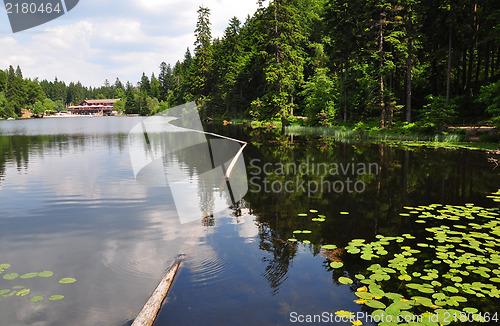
(38, 109)
(130, 105)
(15, 93)
(145, 84)
(119, 106)
(437, 113)
(152, 105)
(320, 98)
(49, 104)
(489, 96)
(329, 60)
(119, 93)
(200, 69)
(3, 81)
(5, 109)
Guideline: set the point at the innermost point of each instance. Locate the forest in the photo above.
(419, 64)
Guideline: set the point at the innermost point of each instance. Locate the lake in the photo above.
(71, 206)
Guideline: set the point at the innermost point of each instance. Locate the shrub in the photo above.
(437, 113)
(489, 95)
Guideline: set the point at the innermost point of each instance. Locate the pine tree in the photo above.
(15, 92)
(155, 87)
(203, 59)
(145, 85)
(3, 80)
(283, 39)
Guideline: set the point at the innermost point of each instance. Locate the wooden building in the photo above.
(93, 107)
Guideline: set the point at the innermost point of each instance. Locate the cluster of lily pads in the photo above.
(444, 274)
(21, 291)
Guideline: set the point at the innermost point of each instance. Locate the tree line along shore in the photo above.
(409, 65)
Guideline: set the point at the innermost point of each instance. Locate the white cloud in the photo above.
(99, 40)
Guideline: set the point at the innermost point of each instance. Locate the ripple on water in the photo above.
(217, 282)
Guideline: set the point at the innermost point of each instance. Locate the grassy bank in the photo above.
(393, 137)
(401, 135)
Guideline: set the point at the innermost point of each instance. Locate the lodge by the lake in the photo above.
(93, 107)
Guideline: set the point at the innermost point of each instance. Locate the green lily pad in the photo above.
(23, 293)
(366, 256)
(11, 276)
(375, 289)
(36, 298)
(46, 274)
(345, 280)
(375, 304)
(67, 280)
(401, 305)
(336, 264)
(451, 289)
(329, 247)
(29, 275)
(365, 295)
(459, 298)
(404, 277)
(56, 297)
(393, 296)
(423, 301)
(439, 296)
(471, 310)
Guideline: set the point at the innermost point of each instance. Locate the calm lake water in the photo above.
(70, 204)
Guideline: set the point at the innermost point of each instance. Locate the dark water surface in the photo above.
(69, 203)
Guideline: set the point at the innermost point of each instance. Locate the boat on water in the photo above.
(11, 119)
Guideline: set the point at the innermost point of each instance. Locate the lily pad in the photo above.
(37, 298)
(345, 280)
(375, 304)
(404, 277)
(29, 275)
(336, 264)
(23, 293)
(329, 247)
(365, 295)
(11, 276)
(46, 274)
(67, 280)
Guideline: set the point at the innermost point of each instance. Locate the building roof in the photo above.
(104, 101)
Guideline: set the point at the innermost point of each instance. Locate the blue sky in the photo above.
(103, 39)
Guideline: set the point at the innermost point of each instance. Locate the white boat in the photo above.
(11, 119)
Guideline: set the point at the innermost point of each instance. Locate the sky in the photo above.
(104, 39)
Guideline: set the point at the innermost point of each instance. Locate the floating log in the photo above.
(150, 311)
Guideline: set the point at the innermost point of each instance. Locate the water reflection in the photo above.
(405, 178)
(190, 164)
(70, 203)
